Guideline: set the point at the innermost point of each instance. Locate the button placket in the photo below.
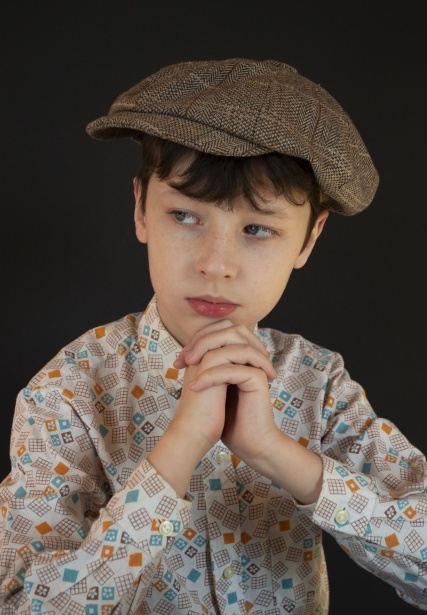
(219, 508)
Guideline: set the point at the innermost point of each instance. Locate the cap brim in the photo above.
(173, 128)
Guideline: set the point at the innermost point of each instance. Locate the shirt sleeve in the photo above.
(373, 499)
(65, 539)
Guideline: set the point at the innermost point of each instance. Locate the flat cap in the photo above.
(244, 107)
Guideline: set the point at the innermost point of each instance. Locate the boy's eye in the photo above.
(259, 231)
(184, 217)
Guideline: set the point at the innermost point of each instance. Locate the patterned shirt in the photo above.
(90, 528)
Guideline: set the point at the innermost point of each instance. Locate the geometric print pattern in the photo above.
(90, 528)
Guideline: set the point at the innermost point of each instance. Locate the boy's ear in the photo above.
(315, 232)
(139, 215)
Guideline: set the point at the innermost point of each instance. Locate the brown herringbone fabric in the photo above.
(243, 107)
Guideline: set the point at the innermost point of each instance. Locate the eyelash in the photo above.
(269, 231)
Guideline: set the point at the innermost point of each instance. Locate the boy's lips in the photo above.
(212, 307)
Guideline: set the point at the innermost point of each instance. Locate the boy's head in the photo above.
(242, 161)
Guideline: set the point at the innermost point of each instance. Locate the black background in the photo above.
(70, 259)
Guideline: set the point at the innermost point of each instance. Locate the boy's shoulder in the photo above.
(293, 352)
(95, 346)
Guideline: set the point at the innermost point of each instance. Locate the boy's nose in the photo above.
(217, 257)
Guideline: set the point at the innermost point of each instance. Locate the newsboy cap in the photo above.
(243, 107)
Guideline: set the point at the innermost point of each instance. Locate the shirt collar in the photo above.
(160, 349)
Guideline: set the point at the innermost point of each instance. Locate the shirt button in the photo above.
(342, 516)
(166, 528)
(222, 457)
(228, 572)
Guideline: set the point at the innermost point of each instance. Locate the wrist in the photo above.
(175, 456)
(292, 466)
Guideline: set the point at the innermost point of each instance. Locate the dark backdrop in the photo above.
(70, 259)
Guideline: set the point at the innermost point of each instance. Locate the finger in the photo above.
(238, 354)
(236, 334)
(247, 378)
(180, 361)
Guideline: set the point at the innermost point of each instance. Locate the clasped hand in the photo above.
(225, 394)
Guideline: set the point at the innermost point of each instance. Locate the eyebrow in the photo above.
(281, 211)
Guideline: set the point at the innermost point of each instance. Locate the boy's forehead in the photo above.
(269, 203)
(242, 107)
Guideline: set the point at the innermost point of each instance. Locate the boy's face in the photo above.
(207, 263)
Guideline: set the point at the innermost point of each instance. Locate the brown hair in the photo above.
(220, 179)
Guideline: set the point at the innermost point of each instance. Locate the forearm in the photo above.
(289, 464)
(176, 455)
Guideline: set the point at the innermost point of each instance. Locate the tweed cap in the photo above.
(243, 107)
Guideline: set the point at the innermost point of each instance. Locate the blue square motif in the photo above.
(242, 506)
(111, 535)
(36, 605)
(193, 575)
(130, 358)
(70, 575)
(290, 411)
(156, 540)
(232, 598)
(107, 593)
(326, 413)
(200, 541)
(132, 496)
(401, 504)
(139, 437)
(180, 544)
(285, 396)
(170, 595)
(342, 428)
(111, 469)
(55, 439)
(215, 484)
(138, 418)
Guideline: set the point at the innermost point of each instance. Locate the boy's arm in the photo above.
(373, 499)
(70, 533)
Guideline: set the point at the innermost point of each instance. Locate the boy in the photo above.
(182, 460)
